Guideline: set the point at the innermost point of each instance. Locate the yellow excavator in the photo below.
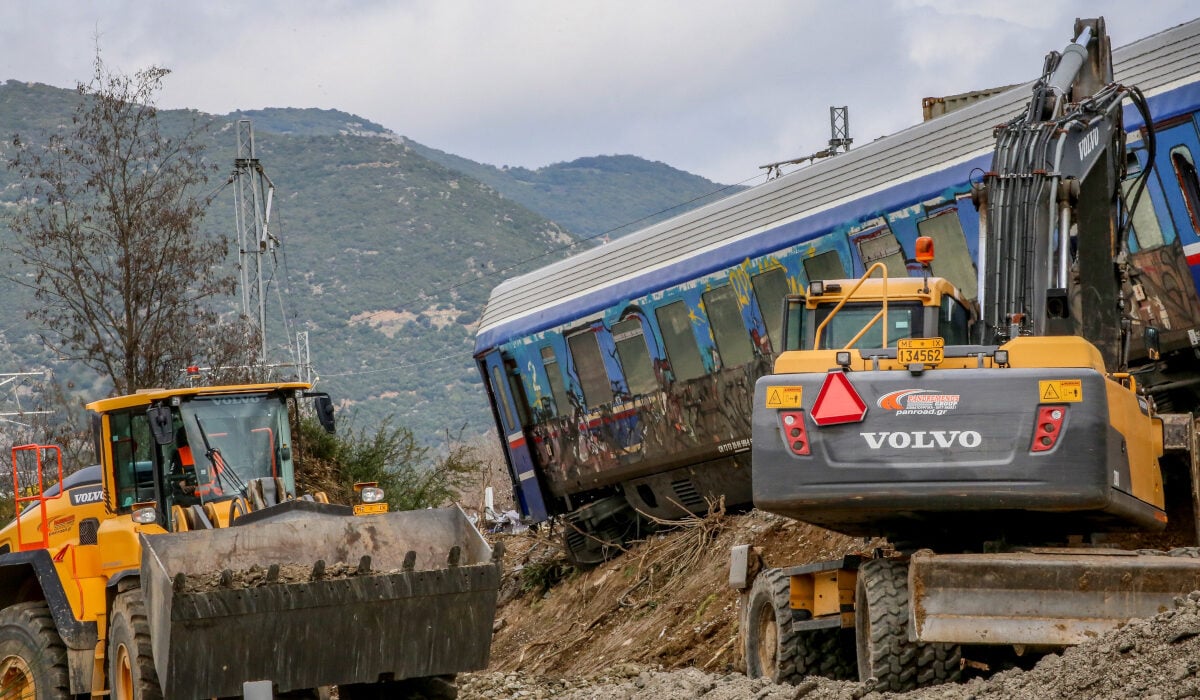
(1005, 450)
(185, 565)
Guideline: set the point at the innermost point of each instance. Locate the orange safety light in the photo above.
(924, 250)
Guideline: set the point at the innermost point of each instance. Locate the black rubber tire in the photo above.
(32, 653)
(776, 651)
(428, 688)
(885, 652)
(129, 650)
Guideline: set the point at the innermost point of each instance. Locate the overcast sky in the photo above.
(713, 87)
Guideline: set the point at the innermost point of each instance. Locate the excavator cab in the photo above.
(876, 312)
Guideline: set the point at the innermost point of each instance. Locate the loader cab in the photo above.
(186, 451)
(831, 317)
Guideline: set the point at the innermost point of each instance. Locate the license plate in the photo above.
(926, 351)
(370, 508)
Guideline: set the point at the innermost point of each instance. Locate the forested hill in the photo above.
(387, 256)
(595, 196)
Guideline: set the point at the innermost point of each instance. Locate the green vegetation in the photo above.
(389, 456)
(596, 196)
(387, 255)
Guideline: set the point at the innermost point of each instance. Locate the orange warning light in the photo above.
(924, 250)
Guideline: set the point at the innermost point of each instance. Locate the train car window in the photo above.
(589, 365)
(498, 386)
(1147, 231)
(1185, 171)
(953, 321)
(518, 393)
(634, 356)
(770, 287)
(728, 326)
(882, 246)
(825, 266)
(554, 375)
(675, 324)
(952, 259)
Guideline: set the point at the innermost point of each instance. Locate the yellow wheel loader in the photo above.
(185, 565)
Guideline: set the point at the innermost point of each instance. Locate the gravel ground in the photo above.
(1155, 659)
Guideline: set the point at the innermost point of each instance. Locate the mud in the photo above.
(257, 576)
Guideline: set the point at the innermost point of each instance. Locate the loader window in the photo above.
(952, 322)
(250, 439)
(132, 458)
(903, 319)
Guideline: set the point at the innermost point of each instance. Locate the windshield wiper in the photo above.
(221, 469)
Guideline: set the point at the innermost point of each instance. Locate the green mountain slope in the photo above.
(387, 256)
(594, 196)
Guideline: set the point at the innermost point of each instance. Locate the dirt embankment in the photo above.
(660, 623)
(665, 602)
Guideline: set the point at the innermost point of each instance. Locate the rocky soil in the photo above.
(659, 623)
(257, 576)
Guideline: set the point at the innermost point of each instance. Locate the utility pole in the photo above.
(15, 425)
(839, 142)
(256, 244)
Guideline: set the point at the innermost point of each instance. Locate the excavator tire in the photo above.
(33, 658)
(774, 650)
(885, 652)
(131, 674)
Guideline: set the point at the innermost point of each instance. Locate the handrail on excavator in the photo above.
(881, 314)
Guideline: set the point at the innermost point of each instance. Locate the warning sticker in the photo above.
(1068, 390)
(784, 396)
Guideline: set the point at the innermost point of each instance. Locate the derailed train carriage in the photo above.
(621, 378)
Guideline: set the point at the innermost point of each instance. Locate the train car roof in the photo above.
(894, 171)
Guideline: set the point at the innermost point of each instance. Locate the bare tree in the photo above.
(108, 233)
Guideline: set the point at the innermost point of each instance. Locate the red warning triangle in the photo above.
(838, 402)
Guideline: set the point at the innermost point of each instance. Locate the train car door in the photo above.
(516, 445)
(1176, 165)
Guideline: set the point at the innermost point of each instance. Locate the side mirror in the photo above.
(1151, 341)
(324, 408)
(160, 424)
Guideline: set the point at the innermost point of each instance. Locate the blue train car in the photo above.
(621, 378)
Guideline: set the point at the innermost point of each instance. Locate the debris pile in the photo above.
(659, 623)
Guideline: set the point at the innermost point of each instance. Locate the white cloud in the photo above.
(709, 86)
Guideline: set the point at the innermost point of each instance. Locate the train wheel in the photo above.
(33, 658)
(131, 674)
(773, 649)
(885, 652)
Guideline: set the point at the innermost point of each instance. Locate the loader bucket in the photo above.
(431, 615)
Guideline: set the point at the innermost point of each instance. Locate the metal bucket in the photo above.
(429, 615)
